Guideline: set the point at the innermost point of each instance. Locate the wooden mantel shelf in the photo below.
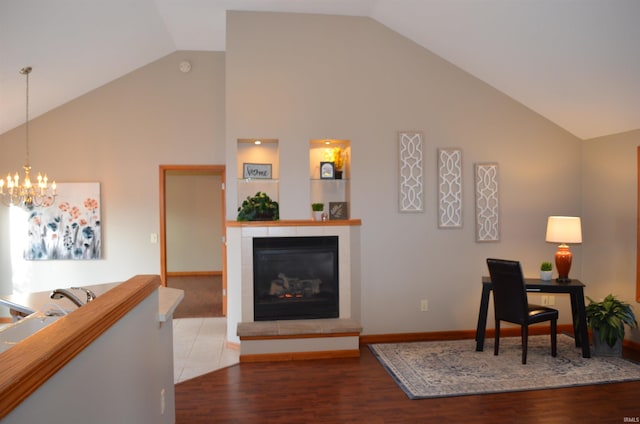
(296, 223)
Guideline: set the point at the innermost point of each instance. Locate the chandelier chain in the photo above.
(26, 71)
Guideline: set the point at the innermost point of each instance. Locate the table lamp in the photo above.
(563, 230)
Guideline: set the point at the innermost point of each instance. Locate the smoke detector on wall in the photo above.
(185, 66)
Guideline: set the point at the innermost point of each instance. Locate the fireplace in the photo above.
(295, 278)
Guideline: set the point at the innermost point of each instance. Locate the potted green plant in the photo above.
(317, 209)
(258, 208)
(606, 319)
(546, 271)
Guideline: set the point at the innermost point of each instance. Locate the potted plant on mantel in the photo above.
(317, 209)
(546, 271)
(258, 208)
(606, 320)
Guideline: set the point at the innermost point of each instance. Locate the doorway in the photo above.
(192, 230)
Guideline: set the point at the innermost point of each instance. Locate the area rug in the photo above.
(454, 368)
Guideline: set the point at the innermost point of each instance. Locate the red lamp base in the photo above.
(563, 263)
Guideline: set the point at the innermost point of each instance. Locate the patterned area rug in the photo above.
(454, 368)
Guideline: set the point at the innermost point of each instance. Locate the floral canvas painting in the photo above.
(70, 229)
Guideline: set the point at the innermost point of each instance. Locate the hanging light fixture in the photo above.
(26, 194)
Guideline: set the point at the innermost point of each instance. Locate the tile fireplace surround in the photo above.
(240, 283)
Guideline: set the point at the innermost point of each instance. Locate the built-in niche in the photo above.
(258, 167)
(332, 191)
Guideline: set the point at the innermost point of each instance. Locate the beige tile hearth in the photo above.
(298, 327)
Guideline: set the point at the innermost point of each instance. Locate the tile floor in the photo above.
(199, 347)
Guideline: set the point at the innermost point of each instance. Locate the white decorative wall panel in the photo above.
(411, 172)
(449, 188)
(487, 204)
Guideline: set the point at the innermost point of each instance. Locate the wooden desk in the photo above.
(534, 285)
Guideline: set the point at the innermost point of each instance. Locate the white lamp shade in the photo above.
(564, 229)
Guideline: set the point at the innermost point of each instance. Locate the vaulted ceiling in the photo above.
(575, 62)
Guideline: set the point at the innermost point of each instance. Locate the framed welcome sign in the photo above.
(261, 171)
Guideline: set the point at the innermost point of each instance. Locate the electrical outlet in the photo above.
(424, 305)
(153, 238)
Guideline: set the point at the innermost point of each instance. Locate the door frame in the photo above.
(215, 170)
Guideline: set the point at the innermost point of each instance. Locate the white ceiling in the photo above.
(576, 62)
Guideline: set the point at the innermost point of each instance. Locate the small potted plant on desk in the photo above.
(546, 271)
(606, 319)
(317, 209)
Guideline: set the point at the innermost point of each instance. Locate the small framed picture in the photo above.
(327, 170)
(261, 171)
(338, 210)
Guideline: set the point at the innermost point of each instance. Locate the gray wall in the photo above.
(117, 378)
(609, 205)
(311, 76)
(301, 77)
(118, 135)
(194, 222)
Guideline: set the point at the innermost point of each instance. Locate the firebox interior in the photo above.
(295, 278)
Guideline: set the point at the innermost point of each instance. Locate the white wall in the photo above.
(610, 220)
(300, 77)
(5, 254)
(313, 76)
(118, 135)
(194, 222)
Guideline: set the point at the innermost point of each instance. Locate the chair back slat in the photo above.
(509, 290)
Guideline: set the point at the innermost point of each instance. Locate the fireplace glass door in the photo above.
(295, 278)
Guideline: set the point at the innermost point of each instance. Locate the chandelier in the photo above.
(27, 194)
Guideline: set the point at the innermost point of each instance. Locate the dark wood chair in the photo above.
(511, 304)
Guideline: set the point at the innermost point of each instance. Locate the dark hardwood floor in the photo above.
(359, 390)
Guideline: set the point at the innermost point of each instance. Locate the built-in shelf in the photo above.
(262, 156)
(260, 152)
(332, 189)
